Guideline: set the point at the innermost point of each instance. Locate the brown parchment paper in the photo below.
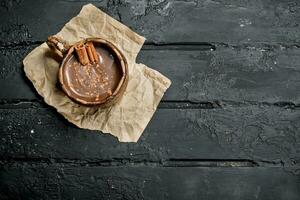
(129, 117)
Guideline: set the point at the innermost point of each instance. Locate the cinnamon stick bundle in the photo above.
(86, 53)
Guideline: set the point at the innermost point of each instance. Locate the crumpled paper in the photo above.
(129, 117)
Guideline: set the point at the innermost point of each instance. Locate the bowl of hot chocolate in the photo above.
(93, 71)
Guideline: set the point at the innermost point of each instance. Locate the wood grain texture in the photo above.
(228, 128)
(216, 21)
(198, 74)
(263, 134)
(56, 181)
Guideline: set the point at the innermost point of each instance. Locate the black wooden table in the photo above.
(228, 127)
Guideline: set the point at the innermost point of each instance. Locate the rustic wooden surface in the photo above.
(228, 127)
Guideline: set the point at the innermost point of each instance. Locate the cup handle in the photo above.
(58, 45)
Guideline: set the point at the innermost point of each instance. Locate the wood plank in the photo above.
(218, 21)
(237, 74)
(263, 74)
(13, 81)
(264, 134)
(55, 181)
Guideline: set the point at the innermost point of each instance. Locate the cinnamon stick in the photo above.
(82, 54)
(93, 55)
(90, 53)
